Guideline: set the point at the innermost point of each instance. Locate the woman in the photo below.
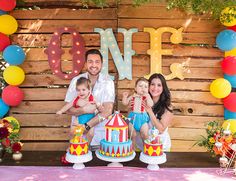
(161, 113)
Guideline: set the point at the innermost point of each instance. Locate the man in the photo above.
(103, 91)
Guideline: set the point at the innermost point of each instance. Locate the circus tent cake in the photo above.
(116, 142)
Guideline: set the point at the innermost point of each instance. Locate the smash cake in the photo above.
(78, 144)
(153, 145)
(78, 152)
(116, 143)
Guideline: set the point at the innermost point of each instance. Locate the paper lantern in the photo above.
(226, 40)
(8, 24)
(229, 114)
(7, 5)
(4, 41)
(220, 88)
(15, 122)
(227, 17)
(230, 53)
(228, 65)
(12, 95)
(230, 125)
(14, 75)
(14, 55)
(4, 108)
(231, 79)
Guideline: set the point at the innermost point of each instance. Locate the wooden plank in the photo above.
(189, 24)
(43, 80)
(63, 133)
(188, 38)
(179, 96)
(179, 108)
(191, 73)
(193, 121)
(63, 3)
(172, 84)
(185, 146)
(50, 26)
(45, 146)
(44, 133)
(46, 120)
(177, 146)
(193, 109)
(43, 66)
(43, 120)
(179, 51)
(156, 10)
(66, 13)
(50, 80)
(42, 40)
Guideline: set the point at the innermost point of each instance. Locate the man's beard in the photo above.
(94, 74)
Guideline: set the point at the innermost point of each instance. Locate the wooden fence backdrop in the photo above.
(42, 129)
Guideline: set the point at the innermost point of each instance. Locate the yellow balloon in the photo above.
(230, 53)
(230, 124)
(15, 122)
(14, 75)
(8, 24)
(227, 17)
(220, 88)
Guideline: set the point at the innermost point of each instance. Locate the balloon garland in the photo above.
(221, 88)
(13, 55)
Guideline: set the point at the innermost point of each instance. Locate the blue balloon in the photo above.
(4, 108)
(231, 79)
(14, 55)
(2, 12)
(226, 40)
(229, 115)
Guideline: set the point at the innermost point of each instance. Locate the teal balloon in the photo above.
(231, 79)
(4, 108)
(2, 12)
(226, 40)
(229, 115)
(14, 55)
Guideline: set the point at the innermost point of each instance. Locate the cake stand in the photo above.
(115, 162)
(79, 160)
(152, 161)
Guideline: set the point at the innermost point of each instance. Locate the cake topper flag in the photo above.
(108, 42)
(55, 52)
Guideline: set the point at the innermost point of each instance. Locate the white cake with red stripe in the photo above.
(116, 142)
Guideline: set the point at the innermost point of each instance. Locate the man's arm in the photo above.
(89, 108)
(107, 111)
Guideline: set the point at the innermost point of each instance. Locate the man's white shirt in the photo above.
(103, 91)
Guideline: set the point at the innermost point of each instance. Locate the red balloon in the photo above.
(228, 65)
(7, 5)
(4, 41)
(12, 95)
(230, 102)
(232, 28)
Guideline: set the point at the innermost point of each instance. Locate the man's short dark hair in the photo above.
(93, 51)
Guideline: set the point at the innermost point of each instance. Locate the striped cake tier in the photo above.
(152, 149)
(113, 149)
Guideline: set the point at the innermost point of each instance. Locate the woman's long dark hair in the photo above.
(165, 98)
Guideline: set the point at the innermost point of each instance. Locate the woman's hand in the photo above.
(147, 108)
(125, 94)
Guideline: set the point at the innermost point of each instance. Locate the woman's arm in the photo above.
(163, 123)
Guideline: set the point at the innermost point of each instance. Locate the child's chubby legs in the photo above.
(133, 134)
(144, 131)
